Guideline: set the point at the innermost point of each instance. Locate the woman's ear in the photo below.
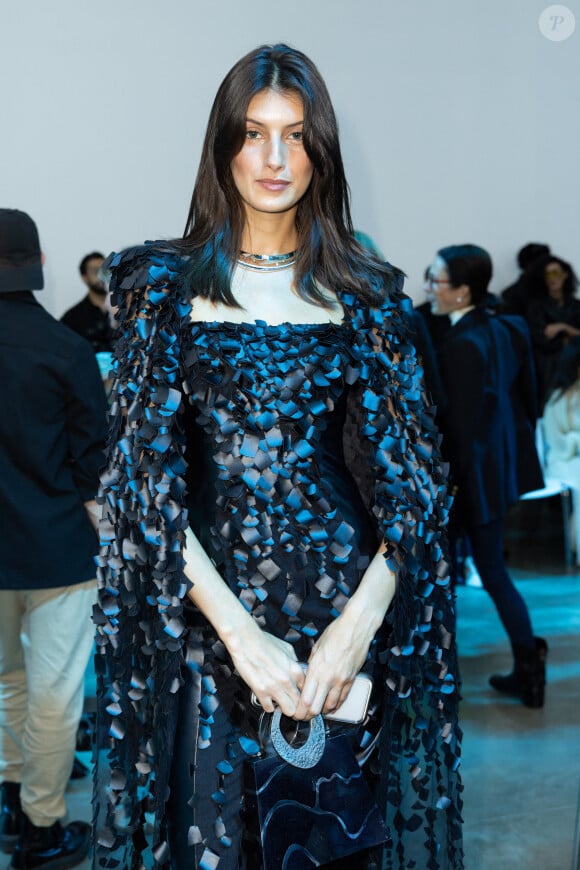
(463, 295)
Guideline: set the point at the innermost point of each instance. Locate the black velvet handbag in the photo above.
(310, 805)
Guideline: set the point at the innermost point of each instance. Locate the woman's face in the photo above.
(272, 172)
(442, 296)
(555, 278)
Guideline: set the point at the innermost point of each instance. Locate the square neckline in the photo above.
(266, 325)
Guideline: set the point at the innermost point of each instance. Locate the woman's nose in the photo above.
(276, 156)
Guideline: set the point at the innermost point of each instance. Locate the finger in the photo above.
(267, 704)
(301, 711)
(309, 688)
(307, 696)
(318, 701)
(286, 695)
(334, 699)
(299, 674)
(313, 697)
(288, 706)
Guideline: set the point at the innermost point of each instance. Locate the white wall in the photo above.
(460, 121)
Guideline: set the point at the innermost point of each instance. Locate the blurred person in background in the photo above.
(91, 317)
(553, 315)
(52, 439)
(488, 438)
(515, 298)
(562, 427)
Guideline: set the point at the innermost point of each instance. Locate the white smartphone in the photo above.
(353, 709)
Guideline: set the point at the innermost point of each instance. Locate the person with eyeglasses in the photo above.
(553, 315)
(438, 327)
(488, 438)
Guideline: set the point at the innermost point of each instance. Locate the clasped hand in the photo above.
(270, 668)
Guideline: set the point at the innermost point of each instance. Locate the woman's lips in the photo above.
(273, 184)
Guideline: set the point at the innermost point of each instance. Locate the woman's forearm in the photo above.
(213, 596)
(372, 598)
(268, 665)
(265, 663)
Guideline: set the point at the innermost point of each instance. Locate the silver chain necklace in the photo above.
(267, 262)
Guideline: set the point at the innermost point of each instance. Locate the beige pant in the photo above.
(46, 637)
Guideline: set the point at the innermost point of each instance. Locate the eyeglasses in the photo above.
(429, 279)
(554, 272)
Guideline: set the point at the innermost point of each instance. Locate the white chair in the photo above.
(553, 487)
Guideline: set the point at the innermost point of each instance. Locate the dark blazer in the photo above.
(52, 439)
(540, 313)
(427, 357)
(489, 423)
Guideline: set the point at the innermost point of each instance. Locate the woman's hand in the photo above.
(269, 667)
(334, 662)
(553, 330)
(341, 650)
(267, 664)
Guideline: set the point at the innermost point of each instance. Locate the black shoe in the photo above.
(52, 848)
(528, 678)
(86, 732)
(10, 815)
(79, 770)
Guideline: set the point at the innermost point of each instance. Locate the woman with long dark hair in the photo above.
(553, 314)
(274, 504)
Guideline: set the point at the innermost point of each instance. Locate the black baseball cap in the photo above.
(20, 254)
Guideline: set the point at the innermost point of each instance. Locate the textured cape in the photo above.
(392, 448)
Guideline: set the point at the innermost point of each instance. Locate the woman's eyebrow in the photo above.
(261, 123)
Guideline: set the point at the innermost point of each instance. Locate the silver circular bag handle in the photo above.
(305, 756)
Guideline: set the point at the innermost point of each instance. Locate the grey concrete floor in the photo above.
(521, 768)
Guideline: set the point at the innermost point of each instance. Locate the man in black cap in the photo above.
(52, 436)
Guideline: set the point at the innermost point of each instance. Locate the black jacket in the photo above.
(52, 438)
(489, 423)
(92, 323)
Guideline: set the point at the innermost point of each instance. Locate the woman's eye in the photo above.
(297, 136)
(252, 134)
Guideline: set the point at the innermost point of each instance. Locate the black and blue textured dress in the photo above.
(291, 451)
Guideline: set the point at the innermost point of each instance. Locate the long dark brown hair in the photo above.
(328, 254)
(535, 281)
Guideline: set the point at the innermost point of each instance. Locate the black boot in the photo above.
(55, 847)
(79, 770)
(10, 815)
(528, 678)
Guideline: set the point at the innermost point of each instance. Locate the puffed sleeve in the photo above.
(397, 452)
(140, 565)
